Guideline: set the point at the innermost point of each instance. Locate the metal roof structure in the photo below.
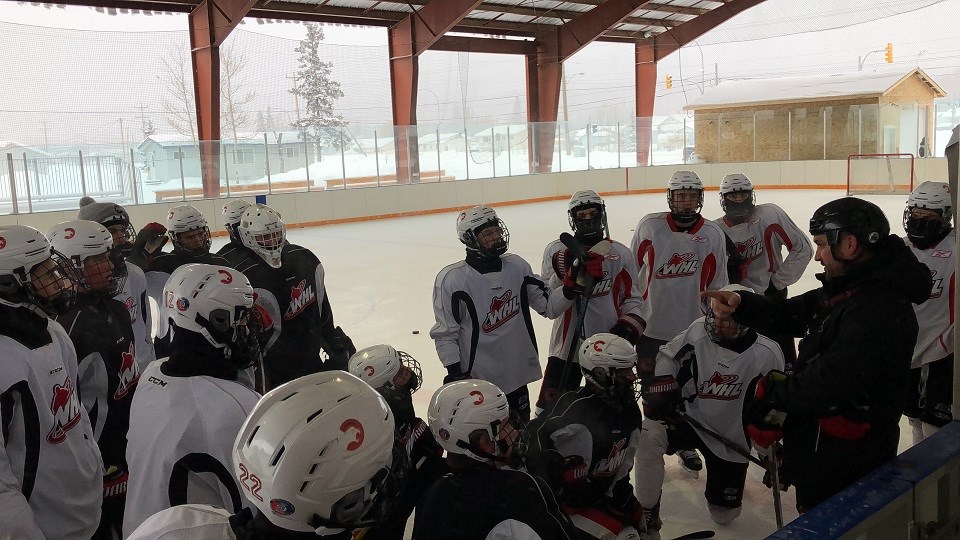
(516, 18)
(544, 32)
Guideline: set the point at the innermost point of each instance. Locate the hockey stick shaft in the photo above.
(775, 476)
(571, 243)
(720, 438)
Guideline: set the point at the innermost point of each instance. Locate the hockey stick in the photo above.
(601, 248)
(720, 438)
(775, 477)
(696, 535)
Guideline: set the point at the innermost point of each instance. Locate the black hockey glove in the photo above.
(763, 418)
(148, 244)
(339, 341)
(774, 294)
(455, 373)
(662, 399)
(768, 477)
(630, 327)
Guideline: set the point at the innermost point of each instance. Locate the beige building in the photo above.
(816, 117)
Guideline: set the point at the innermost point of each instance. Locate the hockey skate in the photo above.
(691, 462)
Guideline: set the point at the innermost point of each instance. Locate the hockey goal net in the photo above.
(880, 174)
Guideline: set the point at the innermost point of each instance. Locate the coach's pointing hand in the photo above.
(723, 303)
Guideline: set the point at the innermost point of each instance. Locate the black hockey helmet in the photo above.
(862, 219)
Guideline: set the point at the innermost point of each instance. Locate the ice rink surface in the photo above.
(380, 274)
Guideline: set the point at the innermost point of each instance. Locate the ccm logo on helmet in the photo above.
(69, 233)
(227, 278)
(353, 423)
(598, 345)
(479, 396)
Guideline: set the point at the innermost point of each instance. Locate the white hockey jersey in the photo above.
(134, 296)
(179, 447)
(51, 475)
(714, 381)
(614, 296)
(935, 339)
(483, 320)
(675, 267)
(760, 241)
(186, 522)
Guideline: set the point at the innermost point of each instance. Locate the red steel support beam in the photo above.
(406, 41)
(670, 41)
(646, 86)
(210, 23)
(545, 72)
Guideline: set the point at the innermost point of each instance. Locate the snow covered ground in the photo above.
(380, 277)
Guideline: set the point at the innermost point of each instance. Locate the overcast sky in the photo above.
(776, 38)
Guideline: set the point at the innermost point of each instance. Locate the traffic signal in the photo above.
(669, 82)
(889, 55)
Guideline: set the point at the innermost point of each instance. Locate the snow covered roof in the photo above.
(175, 139)
(807, 88)
(7, 146)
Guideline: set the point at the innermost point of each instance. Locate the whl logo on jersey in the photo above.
(502, 309)
(129, 374)
(609, 465)
(66, 411)
(750, 250)
(679, 266)
(722, 387)
(301, 296)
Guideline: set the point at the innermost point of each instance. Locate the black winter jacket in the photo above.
(858, 331)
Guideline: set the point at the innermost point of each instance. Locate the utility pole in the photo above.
(566, 115)
(46, 145)
(123, 140)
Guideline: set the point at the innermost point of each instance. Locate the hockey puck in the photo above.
(415, 332)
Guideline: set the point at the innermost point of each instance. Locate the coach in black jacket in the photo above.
(842, 403)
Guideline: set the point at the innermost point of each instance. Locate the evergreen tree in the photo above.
(313, 83)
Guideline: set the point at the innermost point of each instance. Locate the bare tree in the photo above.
(178, 100)
(235, 97)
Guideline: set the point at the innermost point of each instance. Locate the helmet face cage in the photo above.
(51, 285)
(498, 248)
(737, 183)
(685, 212)
(261, 229)
(593, 228)
(197, 239)
(460, 412)
(188, 229)
(928, 213)
(607, 362)
(723, 330)
(105, 273)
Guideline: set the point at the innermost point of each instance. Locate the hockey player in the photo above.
(481, 498)
(291, 281)
(476, 302)
(190, 236)
(709, 371)
(190, 406)
(680, 254)
(396, 376)
(102, 334)
(760, 232)
(840, 424)
(51, 475)
(615, 303)
(933, 240)
(232, 211)
(584, 443)
(315, 457)
(134, 293)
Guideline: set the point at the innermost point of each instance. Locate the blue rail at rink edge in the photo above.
(889, 496)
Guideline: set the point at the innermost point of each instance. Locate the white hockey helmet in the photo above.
(317, 452)
(737, 183)
(594, 229)
(230, 214)
(213, 301)
(183, 219)
(32, 274)
(603, 359)
(80, 239)
(933, 196)
(379, 365)
(721, 330)
(263, 232)
(682, 180)
(473, 220)
(460, 408)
